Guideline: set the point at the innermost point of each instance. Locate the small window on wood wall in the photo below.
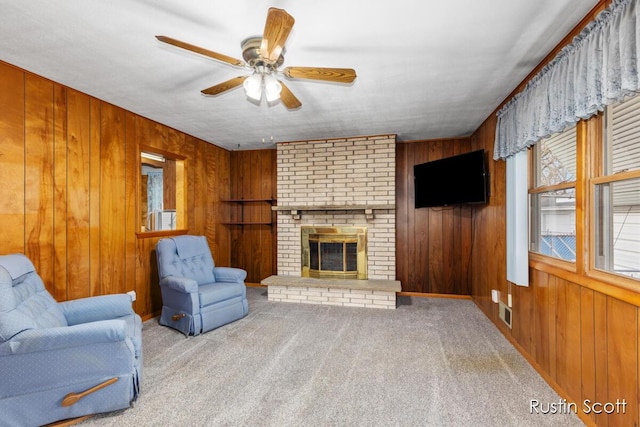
(162, 192)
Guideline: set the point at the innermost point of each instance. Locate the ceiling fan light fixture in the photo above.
(264, 54)
(253, 86)
(272, 88)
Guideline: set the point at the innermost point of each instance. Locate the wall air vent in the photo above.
(505, 314)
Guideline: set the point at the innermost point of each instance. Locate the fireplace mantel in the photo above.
(367, 209)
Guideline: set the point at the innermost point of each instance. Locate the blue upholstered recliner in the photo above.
(197, 296)
(63, 360)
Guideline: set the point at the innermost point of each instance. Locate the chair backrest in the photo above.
(24, 301)
(185, 256)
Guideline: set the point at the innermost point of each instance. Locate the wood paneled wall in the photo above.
(252, 222)
(488, 270)
(585, 342)
(582, 335)
(69, 168)
(433, 245)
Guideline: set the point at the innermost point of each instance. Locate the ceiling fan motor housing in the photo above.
(251, 54)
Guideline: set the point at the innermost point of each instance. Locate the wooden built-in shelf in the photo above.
(271, 201)
(248, 223)
(249, 200)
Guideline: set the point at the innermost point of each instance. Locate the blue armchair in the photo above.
(63, 360)
(197, 296)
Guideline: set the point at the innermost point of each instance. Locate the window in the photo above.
(617, 192)
(553, 196)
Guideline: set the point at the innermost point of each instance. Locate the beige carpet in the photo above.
(431, 361)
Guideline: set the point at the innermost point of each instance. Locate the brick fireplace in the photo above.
(346, 183)
(338, 182)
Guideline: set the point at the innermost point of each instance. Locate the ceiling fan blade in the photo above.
(224, 86)
(276, 31)
(201, 51)
(288, 98)
(341, 75)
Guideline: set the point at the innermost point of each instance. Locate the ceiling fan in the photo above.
(264, 55)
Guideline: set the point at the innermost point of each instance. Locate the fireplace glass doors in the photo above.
(334, 252)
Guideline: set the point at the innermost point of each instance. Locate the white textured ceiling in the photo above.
(425, 69)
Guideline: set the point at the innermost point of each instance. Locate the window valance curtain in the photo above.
(600, 67)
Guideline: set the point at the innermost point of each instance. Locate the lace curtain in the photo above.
(154, 192)
(600, 67)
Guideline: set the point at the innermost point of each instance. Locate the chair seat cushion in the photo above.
(219, 291)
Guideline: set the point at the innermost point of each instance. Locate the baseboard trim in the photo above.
(255, 285)
(429, 295)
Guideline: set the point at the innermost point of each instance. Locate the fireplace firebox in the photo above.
(334, 252)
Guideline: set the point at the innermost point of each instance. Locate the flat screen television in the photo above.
(456, 180)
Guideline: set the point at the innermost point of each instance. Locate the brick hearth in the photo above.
(347, 293)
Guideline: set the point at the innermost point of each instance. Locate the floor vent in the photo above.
(505, 314)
